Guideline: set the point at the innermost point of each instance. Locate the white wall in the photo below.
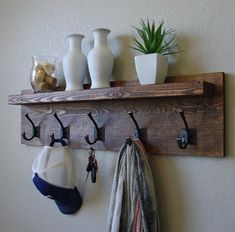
(194, 194)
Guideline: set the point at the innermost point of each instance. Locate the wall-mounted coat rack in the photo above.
(184, 116)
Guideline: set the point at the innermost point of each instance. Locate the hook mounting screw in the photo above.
(36, 129)
(187, 135)
(99, 132)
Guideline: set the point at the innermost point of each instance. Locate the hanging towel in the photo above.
(133, 205)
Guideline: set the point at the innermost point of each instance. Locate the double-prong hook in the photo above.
(138, 132)
(64, 130)
(187, 135)
(36, 129)
(64, 133)
(98, 132)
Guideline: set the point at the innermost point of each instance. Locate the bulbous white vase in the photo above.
(100, 60)
(74, 63)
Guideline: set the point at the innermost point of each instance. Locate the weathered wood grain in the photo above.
(193, 88)
(157, 115)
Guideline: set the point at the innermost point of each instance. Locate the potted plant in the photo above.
(155, 43)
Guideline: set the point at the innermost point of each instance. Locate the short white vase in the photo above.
(100, 60)
(74, 63)
(151, 68)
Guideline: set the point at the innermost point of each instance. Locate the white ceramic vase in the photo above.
(74, 63)
(100, 60)
(151, 68)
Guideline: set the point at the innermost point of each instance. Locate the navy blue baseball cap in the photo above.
(54, 175)
(68, 200)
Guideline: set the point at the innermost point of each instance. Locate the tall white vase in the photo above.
(100, 60)
(74, 63)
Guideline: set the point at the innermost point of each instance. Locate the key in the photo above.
(90, 163)
(88, 169)
(94, 171)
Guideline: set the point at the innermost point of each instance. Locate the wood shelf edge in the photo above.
(178, 89)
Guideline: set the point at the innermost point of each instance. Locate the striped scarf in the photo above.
(133, 206)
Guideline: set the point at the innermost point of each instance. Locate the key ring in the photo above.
(92, 165)
(92, 151)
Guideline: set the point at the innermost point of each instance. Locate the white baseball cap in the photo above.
(55, 177)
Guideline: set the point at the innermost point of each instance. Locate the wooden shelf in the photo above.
(184, 89)
(154, 106)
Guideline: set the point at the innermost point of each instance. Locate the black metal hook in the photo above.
(187, 135)
(138, 132)
(64, 130)
(98, 132)
(64, 133)
(54, 140)
(36, 129)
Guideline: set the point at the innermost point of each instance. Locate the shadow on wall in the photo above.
(185, 62)
(182, 63)
(229, 114)
(95, 195)
(124, 57)
(124, 66)
(170, 196)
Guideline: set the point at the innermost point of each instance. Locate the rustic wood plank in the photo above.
(88, 86)
(158, 116)
(192, 88)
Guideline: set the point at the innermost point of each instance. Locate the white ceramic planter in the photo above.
(151, 68)
(74, 63)
(100, 60)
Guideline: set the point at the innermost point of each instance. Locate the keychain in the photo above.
(92, 166)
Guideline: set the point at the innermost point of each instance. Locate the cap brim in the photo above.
(71, 204)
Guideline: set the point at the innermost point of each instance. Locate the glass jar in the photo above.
(42, 75)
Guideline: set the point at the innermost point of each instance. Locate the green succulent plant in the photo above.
(155, 39)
